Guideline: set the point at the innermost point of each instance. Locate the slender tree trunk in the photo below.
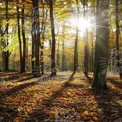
(53, 67)
(42, 44)
(4, 44)
(63, 56)
(33, 54)
(24, 40)
(6, 54)
(42, 55)
(92, 53)
(43, 37)
(35, 39)
(76, 43)
(101, 46)
(19, 37)
(119, 65)
(58, 56)
(86, 56)
(63, 65)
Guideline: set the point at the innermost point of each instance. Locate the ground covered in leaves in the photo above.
(44, 99)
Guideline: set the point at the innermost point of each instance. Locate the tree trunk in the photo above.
(24, 40)
(42, 45)
(42, 55)
(92, 53)
(4, 44)
(86, 56)
(58, 56)
(101, 46)
(76, 43)
(63, 65)
(63, 57)
(19, 37)
(35, 39)
(119, 65)
(43, 37)
(53, 67)
(6, 54)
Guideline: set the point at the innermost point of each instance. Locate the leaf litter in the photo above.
(58, 100)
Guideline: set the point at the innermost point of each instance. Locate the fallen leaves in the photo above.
(55, 100)
(85, 113)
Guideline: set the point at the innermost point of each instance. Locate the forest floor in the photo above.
(44, 99)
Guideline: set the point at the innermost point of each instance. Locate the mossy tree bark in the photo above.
(101, 46)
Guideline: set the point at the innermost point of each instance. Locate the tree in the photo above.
(117, 38)
(35, 39)
(63, 64)
(19, 38)
(23, 39)
(58, 55)
(5, 54)
(53, 66)
(101, 46)
(76, 42)
(86, 56)
(43, 29)
(22, 42)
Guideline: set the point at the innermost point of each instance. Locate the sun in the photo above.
(82, 24)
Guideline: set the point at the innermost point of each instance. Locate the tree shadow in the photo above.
(11, 76)
(24, 79)
(106, 102)
(17, 88)
(115, 82)
(8, 112)
(7, 73)
(40, 114)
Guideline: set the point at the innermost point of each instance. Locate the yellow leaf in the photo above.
(95, 118)
(73, 109)
(85, 113)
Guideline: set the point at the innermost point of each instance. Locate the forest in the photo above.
(60, 60)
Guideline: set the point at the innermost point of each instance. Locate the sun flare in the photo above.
(82, 24)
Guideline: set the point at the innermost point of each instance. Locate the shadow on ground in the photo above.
(73, 101)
